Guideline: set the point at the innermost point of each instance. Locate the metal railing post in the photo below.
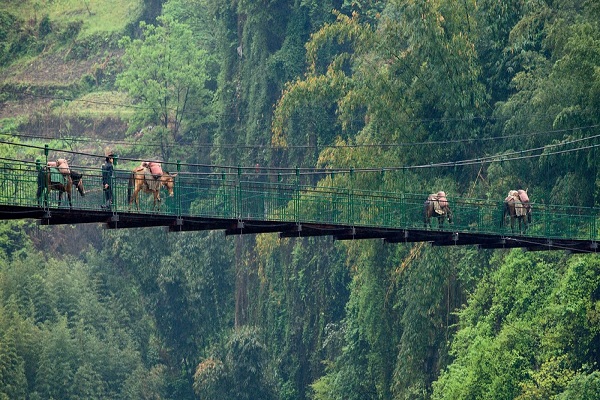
(351, 198)
(178, 190)
(113, 186)
(239, 193)
(297, 196)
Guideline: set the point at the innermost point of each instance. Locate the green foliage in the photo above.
(146, 384)
(13, 382)
(15, 38)
(301, 294)
(150, 314)
(526, 332)
(165, 72)
(557, 54)
(241, 374)
(194, 296)
(584, 386)
(67, 337)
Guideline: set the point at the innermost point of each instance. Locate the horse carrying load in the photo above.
(516, 205)
(440, 202)
(149, 178)
(437, 203)
(520, 200)
(57, 175)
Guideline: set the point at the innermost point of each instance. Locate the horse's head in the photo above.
(168, 182)
(448, 214)
(77, 179)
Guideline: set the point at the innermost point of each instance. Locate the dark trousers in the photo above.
(108, 197)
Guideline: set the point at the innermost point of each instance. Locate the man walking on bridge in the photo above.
(107, 180)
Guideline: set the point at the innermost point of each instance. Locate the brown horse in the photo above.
(65, 184)
(436, 205)
(142, 180)
(518, 208)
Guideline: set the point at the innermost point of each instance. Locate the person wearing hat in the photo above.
(107, 177)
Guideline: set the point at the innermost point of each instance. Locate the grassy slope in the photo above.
(98, 16)
(55, 69)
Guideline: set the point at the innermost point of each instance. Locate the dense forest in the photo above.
(498, 95)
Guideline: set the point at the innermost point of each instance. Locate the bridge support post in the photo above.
(350, 198)
(178, 191)
(238, 202)
(297, 197)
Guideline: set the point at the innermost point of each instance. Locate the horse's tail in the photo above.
(130, 186)
(504, 210)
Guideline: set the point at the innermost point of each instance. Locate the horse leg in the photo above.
(131, 200)
(133, 195)
(156, 201)
(522, 225)
(136, 196)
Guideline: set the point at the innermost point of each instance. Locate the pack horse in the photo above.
(149, 178)
(57, 176)
(517, 206)
(437, 206)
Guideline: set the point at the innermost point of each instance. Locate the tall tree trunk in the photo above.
(241, 284)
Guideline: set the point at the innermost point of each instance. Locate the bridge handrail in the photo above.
(253, 197)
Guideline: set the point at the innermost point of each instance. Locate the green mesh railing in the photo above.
(241, 197)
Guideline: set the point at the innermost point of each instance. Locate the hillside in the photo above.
(59, 60)
(473, 98)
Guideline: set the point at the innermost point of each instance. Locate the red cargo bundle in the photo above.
(443, 201)
(63, 166)
(155, 168)
(523, 196)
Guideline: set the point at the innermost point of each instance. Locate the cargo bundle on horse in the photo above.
(516, 205)
(437, 205)
(149, 178)
(57, 175)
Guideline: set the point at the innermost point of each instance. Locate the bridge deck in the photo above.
(250, 205)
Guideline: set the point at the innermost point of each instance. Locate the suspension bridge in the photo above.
(250, 203)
